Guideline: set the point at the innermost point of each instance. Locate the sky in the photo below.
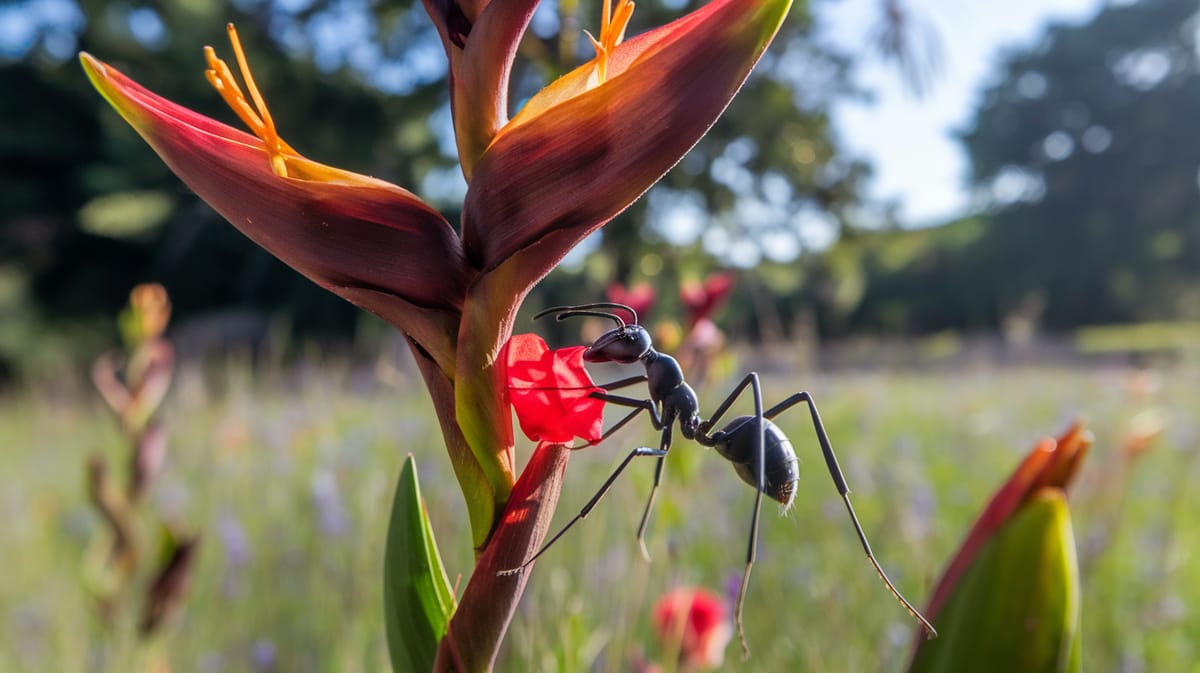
(910, 140)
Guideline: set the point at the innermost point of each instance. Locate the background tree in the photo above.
(1085, 165)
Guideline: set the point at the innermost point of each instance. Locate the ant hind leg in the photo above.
(839, 480)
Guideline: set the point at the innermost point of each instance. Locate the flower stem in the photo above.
(489, 601)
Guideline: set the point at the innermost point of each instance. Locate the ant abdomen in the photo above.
(781, 471)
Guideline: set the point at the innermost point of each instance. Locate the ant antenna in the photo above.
(564, 312)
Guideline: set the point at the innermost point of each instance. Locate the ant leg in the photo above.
(664, 446)
(702, 436)
(659, 423)
(623, 383)
(609, 432)
(640, 451)
(761, 483)
(639, 407)
(751, 380)
(647, 405)
(839, 480)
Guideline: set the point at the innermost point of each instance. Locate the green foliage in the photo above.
(417, 599)
(1140, 338)
(1098, 119)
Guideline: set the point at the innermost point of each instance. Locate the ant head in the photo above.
(626, 343)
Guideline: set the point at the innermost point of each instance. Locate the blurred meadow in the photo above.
(287, 476)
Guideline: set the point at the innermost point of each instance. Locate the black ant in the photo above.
(761, 454)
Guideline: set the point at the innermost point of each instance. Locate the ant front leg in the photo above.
(660, 423)
(640, 451)
(839, 480)
(665, 424)
(639, 407)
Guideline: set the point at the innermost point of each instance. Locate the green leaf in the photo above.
(1017, 607)
(417, 597)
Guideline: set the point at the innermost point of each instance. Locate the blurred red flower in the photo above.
(638, 297)
(702, 298)
(696, 620)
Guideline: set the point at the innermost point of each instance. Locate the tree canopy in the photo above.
(1085, 166)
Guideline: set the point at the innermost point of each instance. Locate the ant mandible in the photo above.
(761, 454)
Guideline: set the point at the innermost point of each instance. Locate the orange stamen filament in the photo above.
(612, 31)
(258, 118)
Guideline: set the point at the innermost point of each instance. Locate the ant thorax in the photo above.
(663, 373)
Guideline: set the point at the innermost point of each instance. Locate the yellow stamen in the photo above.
(258, 118)
(612, 31)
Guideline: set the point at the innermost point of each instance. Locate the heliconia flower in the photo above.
(638, 297)
(551, 391)
(696, 622)
(1009, 599)
(578, 153)
(702, 298)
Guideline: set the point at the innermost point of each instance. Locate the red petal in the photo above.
(697, 621)
(344, 231)
(701, 299)
(550, 391)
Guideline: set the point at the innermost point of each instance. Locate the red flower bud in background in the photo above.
(702, 298)
(696, 622)
(638, 297)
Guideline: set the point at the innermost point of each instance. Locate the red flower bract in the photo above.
(551, 391)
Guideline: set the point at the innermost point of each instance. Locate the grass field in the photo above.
(288, 479)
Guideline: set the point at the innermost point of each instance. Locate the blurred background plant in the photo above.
(137, 564)
(1009, 598)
